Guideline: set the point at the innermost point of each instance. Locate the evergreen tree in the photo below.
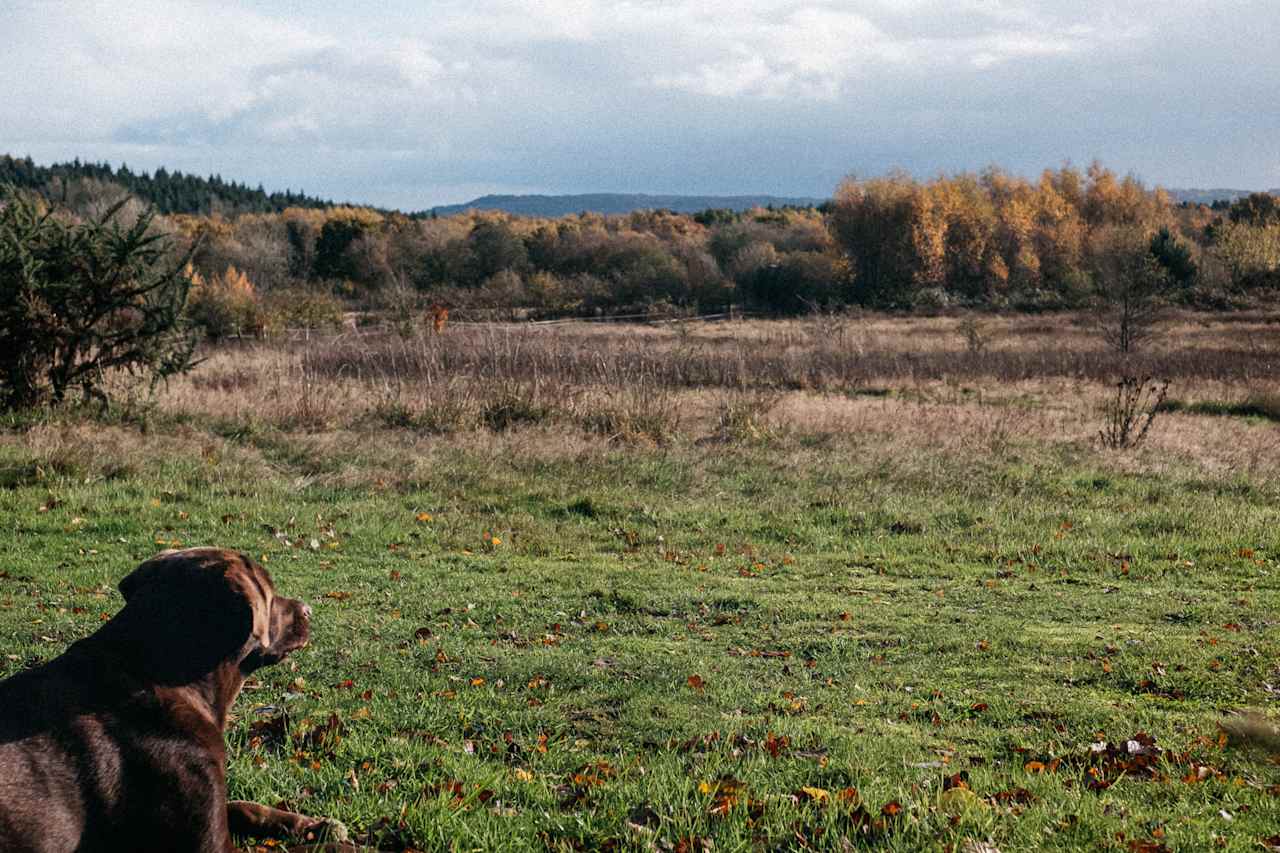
(80, 299)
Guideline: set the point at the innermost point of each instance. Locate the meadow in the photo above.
(840, 582)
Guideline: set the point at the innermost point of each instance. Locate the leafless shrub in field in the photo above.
(1129, 414)
(1133, 290)
(827, 325)
(405, 303)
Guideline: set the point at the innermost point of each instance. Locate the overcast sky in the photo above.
(412, 103)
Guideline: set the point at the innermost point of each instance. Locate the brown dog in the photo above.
(117, 744)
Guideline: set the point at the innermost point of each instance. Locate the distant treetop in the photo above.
(170, 192)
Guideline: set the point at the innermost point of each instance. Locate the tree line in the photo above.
(167, 192)
(989, 240)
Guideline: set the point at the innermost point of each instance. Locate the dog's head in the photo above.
(199, 609)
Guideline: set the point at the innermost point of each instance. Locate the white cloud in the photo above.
(806, 52)
(999, 49)
(80, 68)
(815, 52)
(727, 78)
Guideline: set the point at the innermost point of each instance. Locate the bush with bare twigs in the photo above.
(1129, 414)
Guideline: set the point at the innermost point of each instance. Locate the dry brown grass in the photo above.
(821, 353)
(891, 386)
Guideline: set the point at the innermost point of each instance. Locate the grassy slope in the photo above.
(937, 617)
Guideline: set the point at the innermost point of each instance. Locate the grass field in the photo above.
(879, 610)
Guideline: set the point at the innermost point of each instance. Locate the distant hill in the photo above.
(170, 192)
(616, 203)
(1198, 196)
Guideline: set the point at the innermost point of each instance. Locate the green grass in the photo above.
(515, 672)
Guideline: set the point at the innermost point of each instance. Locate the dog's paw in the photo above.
(327, 829)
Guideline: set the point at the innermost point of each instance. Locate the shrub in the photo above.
(1174, 257)
(81, 299)
(224, 305)
(1128, 416)
(300, 308)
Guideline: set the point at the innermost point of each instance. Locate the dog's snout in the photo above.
(306, 610)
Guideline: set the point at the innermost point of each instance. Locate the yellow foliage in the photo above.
(229, 284)
(984, 233)
(362, 215)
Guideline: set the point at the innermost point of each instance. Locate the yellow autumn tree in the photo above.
(993, 236)
(223, 305)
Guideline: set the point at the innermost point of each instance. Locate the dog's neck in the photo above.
(210, 687)
(210, 697)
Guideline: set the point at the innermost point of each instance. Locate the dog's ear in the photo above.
(146, 573)
(188, 611)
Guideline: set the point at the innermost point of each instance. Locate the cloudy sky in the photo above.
(412, 103)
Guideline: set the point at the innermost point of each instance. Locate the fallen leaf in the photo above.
(812, 794)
